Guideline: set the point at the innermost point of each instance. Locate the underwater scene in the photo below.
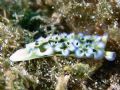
(59, 45)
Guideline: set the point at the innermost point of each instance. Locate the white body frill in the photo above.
(24, 54)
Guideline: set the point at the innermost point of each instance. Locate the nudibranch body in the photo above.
(77, 45)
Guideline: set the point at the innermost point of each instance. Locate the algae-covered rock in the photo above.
(51, 18)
